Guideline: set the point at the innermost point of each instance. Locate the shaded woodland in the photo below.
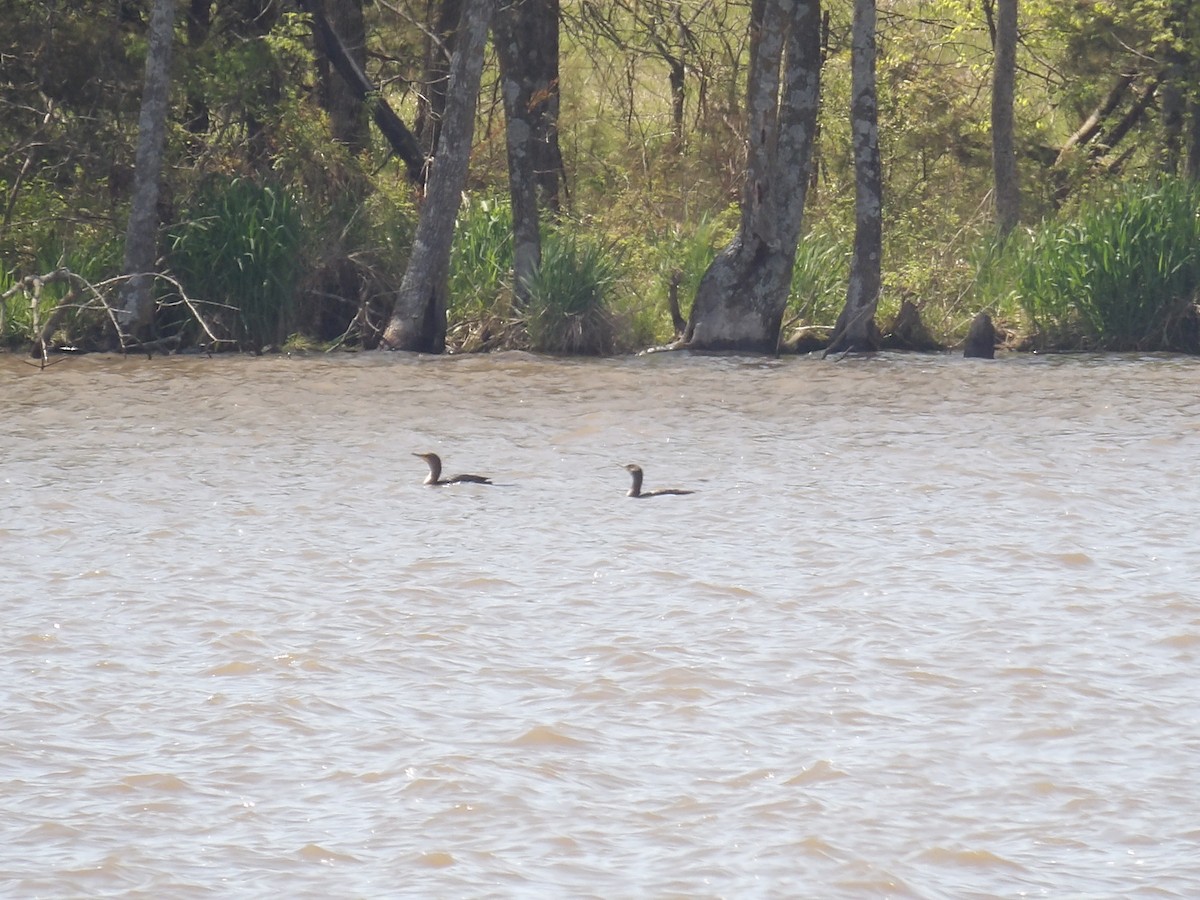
(576, 177)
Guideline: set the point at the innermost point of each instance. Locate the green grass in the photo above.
(480, 281)
(1121, 273)
(240, 248)
(819, 278)
(573, 295)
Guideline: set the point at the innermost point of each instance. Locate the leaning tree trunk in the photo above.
(418, 320)
(855, 329)
(740, 302)
(344, 104)
(402, 141)
(1004, 154)
(136, 305)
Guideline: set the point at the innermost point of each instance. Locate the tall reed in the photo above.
(1121, 274)
(481, 256)
(240, 247)
(819, 275)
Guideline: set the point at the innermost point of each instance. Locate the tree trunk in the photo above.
(1192, 161)
(402, 141)
(136, 305)
(418, 320)
(855, 329)
(439, 49)
(741, 298)
(1004, 155)
(347, 112)
(199, 24)
(526, 37)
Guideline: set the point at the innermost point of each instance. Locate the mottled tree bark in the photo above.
(418, 320)
(442, 17)
(526, 38)
(136, 305)
(741, 298)
(1004, 153)
(855, 329)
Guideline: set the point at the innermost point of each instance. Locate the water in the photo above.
(928, 628)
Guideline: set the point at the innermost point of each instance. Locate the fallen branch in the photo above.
(78, 287)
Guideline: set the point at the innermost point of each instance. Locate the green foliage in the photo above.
(819, 279)
(1122, 273)
(91, 256)
(239, 247)
(572, 296)
(481, 257)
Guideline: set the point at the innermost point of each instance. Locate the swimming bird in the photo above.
(635, 489)
(435, 472)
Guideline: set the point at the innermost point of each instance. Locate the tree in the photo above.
(855, 329)
(402, 141)
(526, 38)
(342, 102)
(1004, 156)
(740, 301)
(418, 320)
(440, 34)
(136, 306)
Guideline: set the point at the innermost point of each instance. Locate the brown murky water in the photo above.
(928, 628)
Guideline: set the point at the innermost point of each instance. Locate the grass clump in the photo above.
(1121, 274)
(239, 248)
(480, 282)
(572, 296)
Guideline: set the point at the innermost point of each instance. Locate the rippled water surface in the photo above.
(927, 628)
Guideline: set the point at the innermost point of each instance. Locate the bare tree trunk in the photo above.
(516, 89)
(443, 17)
(418, 320)
(1192, 160)
(526, 38)
(136, 305)
(1004, 154)
(1178, 94)
(741, 298)
(855, 329)
(541, 20)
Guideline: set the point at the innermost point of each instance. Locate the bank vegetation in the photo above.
(771, 175)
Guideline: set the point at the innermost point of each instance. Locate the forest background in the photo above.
(285, 215)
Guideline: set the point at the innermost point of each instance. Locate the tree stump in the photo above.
(981, 338)
(908, 332)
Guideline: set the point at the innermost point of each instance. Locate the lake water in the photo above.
(929, 627)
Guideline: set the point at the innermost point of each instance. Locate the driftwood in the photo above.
(83, 295)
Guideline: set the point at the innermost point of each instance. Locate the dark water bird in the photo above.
(435, 472)
(635, 489)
